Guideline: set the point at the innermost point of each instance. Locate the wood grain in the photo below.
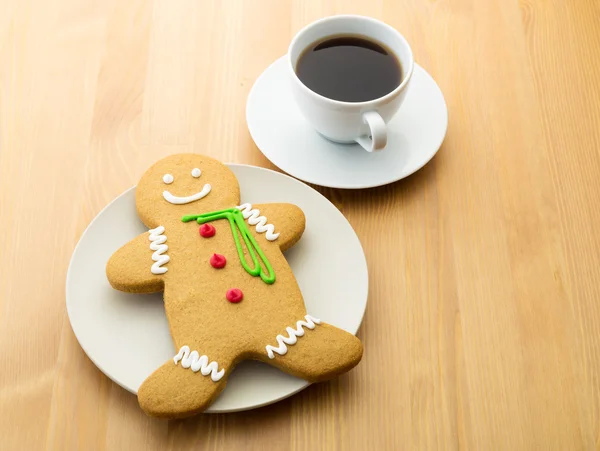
(482, 329)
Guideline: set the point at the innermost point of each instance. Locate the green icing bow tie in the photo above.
(240, 228)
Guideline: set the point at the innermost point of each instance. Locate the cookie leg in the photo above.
(183, 386)
(319, 354)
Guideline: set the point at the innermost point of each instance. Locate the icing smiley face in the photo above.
(184, 184)
(180, 200)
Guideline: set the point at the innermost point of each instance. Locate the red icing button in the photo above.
(218, 261)
(234, 295)
(207, 230)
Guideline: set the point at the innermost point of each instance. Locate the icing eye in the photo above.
(196, 172)
(168, 179)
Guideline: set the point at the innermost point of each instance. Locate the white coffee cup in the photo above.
(348, 122)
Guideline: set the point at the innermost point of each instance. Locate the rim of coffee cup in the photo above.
(388, 96)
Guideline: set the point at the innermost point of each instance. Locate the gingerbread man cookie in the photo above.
(229, 292)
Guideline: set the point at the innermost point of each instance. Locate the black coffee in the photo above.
(349, 68)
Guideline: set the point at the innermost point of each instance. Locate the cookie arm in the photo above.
(129, 269)
(288, 221)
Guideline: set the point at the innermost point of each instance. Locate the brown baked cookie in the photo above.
(229, 292)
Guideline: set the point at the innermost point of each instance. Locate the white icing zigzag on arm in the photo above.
(293, 334)
(159, 247)
(197, 363)
(253, 217)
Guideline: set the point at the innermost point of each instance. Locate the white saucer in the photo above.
(127, 335)
(282, 134)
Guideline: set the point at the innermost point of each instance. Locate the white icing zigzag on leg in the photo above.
(197, 363)
(159, 247)
(253, 217)
(292, 338)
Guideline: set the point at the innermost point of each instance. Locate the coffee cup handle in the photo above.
(378, 132)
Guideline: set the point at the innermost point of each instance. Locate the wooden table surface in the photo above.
(483, 324)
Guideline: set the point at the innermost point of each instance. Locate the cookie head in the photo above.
(184, 184)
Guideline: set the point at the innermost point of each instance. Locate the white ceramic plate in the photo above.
(127, 335)
(282, 134)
